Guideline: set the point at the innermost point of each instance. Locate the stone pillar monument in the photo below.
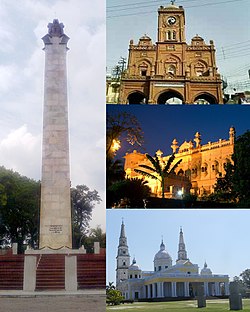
(55, 211)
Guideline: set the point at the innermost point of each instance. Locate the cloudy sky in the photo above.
(22, 25)
(227, 22)
(219, 237)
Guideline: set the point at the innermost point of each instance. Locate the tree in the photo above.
(241, 174)
(245, 276)
(234, 186)
(83, 201)
(242, 286)
(131, 191)
(114, 171)
(122, 124)
(19, 208)
(113, 296)
(94, 235)
(223, 189)
(159, 170)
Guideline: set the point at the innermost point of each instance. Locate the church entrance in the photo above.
(205, 99)
(170, 97)
(137, 98)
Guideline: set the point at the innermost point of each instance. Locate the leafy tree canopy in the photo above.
(19, 210)
(122, 124)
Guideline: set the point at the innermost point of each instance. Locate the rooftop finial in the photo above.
(55, 28)
(172, 2)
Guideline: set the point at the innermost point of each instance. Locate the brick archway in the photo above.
(170, 97)
(137, 97)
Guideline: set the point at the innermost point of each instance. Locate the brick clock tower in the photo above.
(170, 71)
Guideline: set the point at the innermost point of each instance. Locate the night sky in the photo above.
(162, 123)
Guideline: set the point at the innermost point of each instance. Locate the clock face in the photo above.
(171, 20)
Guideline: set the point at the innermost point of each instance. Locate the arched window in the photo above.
(174, 35)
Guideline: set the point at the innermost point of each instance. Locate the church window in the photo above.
(124, 263)
(188, 272)
(166, 266)
(124, 252)
(135, 275)
(159, 268)
(174, 35)
(155, 268)
(130, 276)
(144, 72)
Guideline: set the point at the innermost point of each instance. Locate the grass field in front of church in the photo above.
(176, 306)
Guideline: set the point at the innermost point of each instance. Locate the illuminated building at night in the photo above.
(167, 280)
(201, 165)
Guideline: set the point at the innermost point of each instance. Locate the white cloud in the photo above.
(20, 151)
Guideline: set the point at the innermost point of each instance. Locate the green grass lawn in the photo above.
(189, 306)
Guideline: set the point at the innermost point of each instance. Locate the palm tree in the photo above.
(158, 171)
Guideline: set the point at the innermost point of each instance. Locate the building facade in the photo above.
(201, 165)
(171, 71)
(167, 280)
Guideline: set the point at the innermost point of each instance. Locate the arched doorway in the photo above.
(170, 97)
(137, 98)
(205, 98)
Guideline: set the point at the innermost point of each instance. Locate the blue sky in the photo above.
(226, 22)
(219, 237)
(22, 25)
(162, 123)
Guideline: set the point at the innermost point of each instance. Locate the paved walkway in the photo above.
(58, 301)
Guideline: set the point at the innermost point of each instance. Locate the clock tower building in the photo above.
(171, 71)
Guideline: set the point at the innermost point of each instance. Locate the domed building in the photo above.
(171, 71)
(167, 280)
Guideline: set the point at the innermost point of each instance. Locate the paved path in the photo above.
(52, 302)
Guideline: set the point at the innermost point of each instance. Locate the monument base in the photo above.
(61, 251)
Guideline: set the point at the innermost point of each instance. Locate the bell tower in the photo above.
(182, 253)
(171, 24)
(123, 257)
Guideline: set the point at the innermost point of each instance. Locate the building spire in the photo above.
(182, 253)
(123, 238)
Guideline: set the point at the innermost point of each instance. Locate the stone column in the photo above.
(173, 285)
(186, 289)
(154, 290)
(70, 273)
(206, 289)
(159, 290)
(55, 212)
(29, 278)
(235, 299)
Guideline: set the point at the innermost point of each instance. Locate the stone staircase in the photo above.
(91, 271)
(11, 271)
(50, 272)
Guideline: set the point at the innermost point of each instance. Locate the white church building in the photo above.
(167, 280)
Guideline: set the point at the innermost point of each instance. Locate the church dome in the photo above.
(162, 253)
(206, 270)
(134, 266)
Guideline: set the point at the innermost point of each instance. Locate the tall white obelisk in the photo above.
(55, 211)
